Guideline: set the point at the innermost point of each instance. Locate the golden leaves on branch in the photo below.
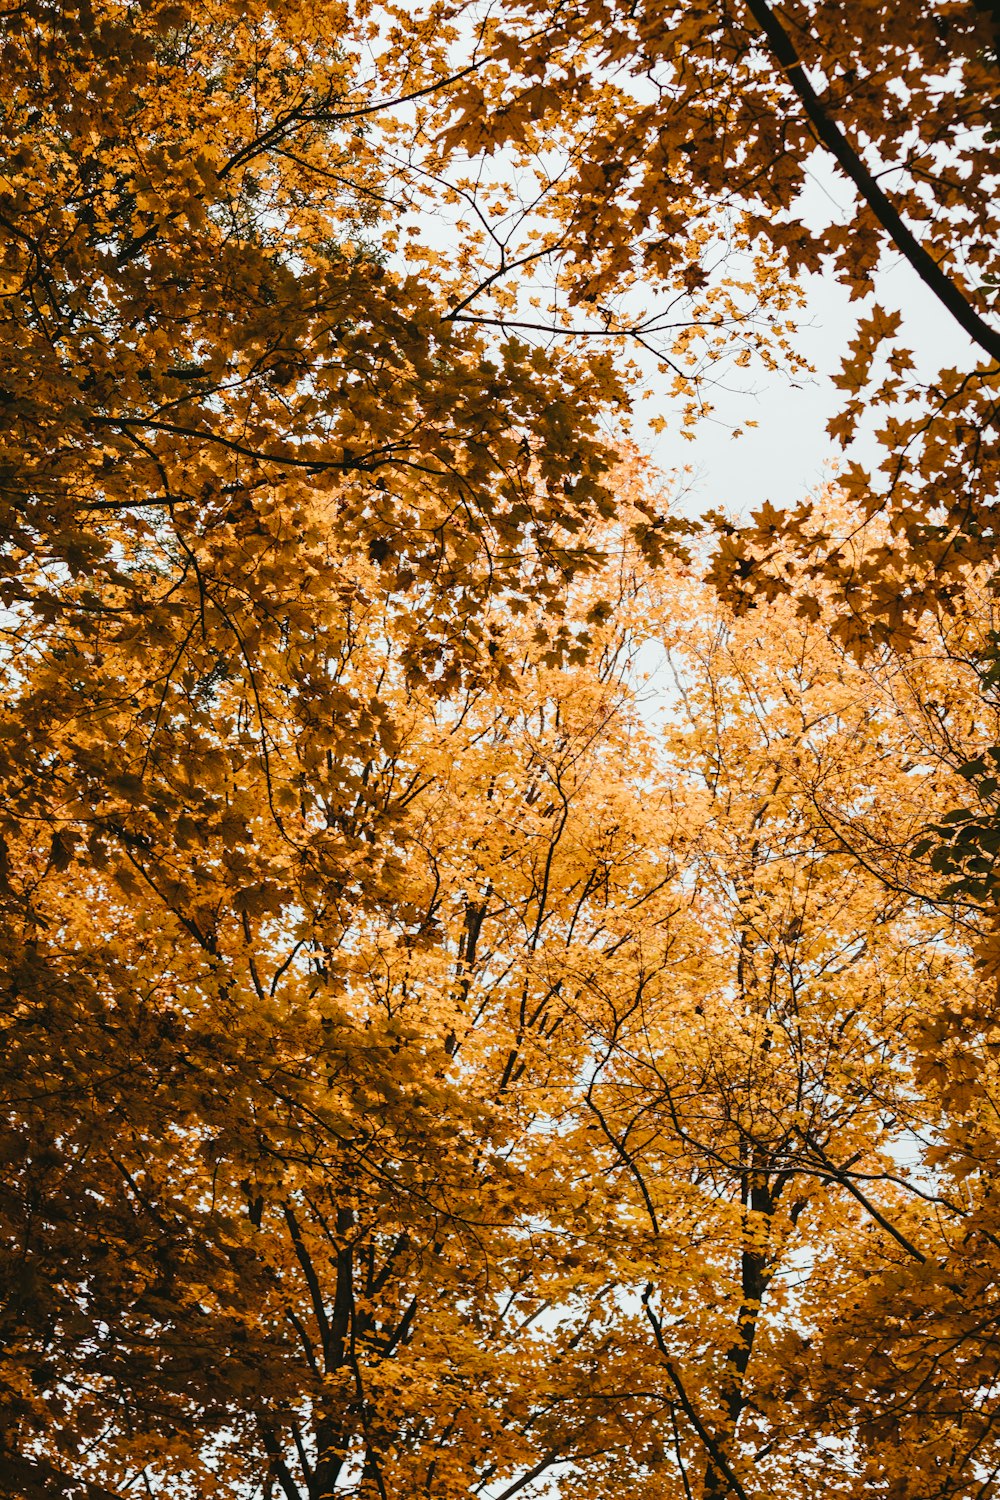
(422, 1072)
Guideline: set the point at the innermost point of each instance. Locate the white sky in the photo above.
(789, 453)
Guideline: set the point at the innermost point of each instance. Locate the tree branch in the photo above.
(711, 1446)
(829, 134)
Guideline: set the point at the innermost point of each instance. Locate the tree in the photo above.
(386, 1014)
(599, 1131)
(261, 1223)
(215, 387)
(784, 1144)
(797, 1075)
(216, 394)
(687, 131)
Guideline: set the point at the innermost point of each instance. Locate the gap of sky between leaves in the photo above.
(789, 454)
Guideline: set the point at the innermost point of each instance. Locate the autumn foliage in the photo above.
(499, 991)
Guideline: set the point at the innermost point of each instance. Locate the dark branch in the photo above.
(829, 134)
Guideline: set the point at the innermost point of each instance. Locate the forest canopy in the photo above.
(499, 976)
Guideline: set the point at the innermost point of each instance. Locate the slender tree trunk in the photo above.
(755, 1274)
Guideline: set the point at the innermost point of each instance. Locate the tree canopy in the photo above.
(441, 1058)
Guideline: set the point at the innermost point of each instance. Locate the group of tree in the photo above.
(435, 1063)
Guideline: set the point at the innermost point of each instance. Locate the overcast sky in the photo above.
(789, 453)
